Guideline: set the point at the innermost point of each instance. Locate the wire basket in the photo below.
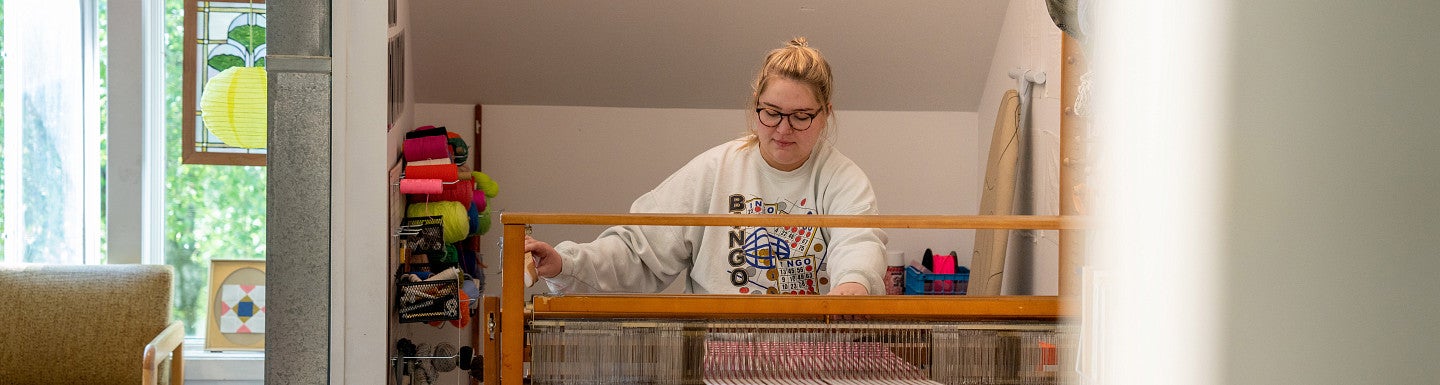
(428, 301)
(919, 283)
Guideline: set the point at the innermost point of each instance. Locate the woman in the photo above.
(784, 165)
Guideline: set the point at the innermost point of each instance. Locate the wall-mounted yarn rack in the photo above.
(438, 210)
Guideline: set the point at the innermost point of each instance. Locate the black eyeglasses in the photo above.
(799, 120)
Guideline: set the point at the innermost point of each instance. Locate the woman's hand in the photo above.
(849, 288)
(547, 261)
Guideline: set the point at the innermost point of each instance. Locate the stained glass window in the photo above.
(218, 35)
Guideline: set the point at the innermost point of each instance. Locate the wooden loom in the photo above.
(507, 320)
(507, 351)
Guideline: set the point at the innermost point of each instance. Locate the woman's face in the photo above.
(782, 146)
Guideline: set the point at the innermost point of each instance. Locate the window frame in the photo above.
(150, 126)
(90, 250)
(136, 129)
(190, 154)
(136, 151)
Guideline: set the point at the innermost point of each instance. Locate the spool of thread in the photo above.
(532, 274)
(461, 191)
(944, 264)
(444, 172)
(453, 218)
(421, 186)
(894, 272)
(484, 183)
(426, 147)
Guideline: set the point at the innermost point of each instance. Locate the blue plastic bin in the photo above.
(917, 283)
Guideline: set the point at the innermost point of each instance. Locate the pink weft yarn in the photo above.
(424, 148)
(421, 186)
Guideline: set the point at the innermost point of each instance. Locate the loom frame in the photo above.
(509, 334)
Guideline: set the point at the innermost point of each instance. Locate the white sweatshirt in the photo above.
(734, 178)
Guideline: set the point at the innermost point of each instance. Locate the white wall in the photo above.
(1330, 245)
(1271, 191)
(598, 160)
(1028, 39)
(359, 343)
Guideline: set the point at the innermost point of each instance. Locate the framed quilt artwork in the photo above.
(236, 319)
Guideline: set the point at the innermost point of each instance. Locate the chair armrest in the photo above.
(170, 342)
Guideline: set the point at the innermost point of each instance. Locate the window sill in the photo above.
(207, 367)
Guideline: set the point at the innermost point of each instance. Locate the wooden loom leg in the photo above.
(489, 318)
(1074, 131)
(512, 306)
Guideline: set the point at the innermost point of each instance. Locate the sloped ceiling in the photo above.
(886, 55)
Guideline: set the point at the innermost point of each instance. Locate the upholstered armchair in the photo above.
(94, 324)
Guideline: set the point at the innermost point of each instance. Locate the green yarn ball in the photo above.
(484, 183)
(484, 223)
(453, 217)
(452, 255)
(459, 150)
